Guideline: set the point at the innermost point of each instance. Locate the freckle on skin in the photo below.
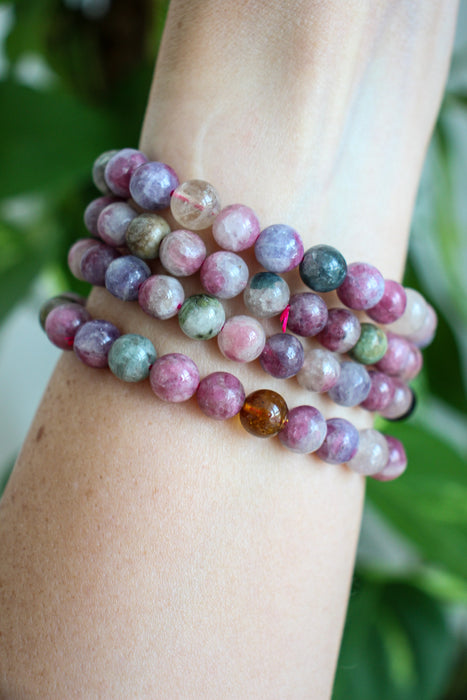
(40, 434)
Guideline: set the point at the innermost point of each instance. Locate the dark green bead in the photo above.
(323, 268)
(371, 346)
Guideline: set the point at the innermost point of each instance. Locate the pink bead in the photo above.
(425, 334)
(75, 255)
(174, 377)
(236, 227)
(120, 168)
(381, 392)
(362, 288)
(220, 395)
(63, 322)
(224, 274)
(182, 252)
(95, 261)
(161, 296)
(241, 339)
(401, 403)
(113, 222)
(304, 430)
(397, 461)
(392, 304)
(396, 356)
(92, 211)
(341, 332)
(414, 364)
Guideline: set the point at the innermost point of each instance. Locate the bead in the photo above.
(279, 248)
(63, 322)
(93, 342)
(161, 296)
(241, 339)
(372, 453)
(182, 253)
(363, 286)
(131, 356)
(304, 430)
(392, 304)
(95, 261)
(152, 184)
(371, 345)
(75, 255)
(174, 377)
(353, 385)
(120, 168)
(125, 276)
(381, 392)
(235, 228)
(263, 413)
(266, 294)
(396, 356)
(402, 404)
(92, 211)
(414, 364)
(282, 356)
(308, 314)
(320, 370)
(220, 395)
(195, 204)
(341, 332)
(414, 315)
(201, 316)
(224, 274)
(425, 334)
(397, 461)
(145, 234)
(98, 170)
(323, 268)
(59, 300)
(340, 443)
(113, 222)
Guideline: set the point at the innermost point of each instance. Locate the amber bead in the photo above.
(264, 413)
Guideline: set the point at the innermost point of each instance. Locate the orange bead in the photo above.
(263, 413)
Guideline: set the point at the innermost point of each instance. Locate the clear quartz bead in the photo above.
(372, 454)
(195, 204)
(414, 315)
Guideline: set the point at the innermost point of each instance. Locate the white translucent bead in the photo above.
(414, 315)
(195, 204)
(320, 370)
(372, 454)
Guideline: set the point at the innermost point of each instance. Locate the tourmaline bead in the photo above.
(414, 315)
(308, 314)
(98, 170)
(220, 395)
(131, 356)
(304, 429)
(397, 461)
(201, 316)
(195, 204)
(152, 184)
(363, 286)
(63, 322)
(59, 300)
(75, 255)
(323, 268)
(93, 342)
(263, 413)
(92, 211)
(235, 228)
(242, 338)
(371, 345)
(279, 248)
(372, 453)
(182, 253)
(396, 356)
(120, 168)
(174, 377)
(95, 262)
(161, 296)
(341, 331)
(320, 370)
(353, 385)
(145, 234)
(125, 276)
(402, 404)
(224, 274)
(113, 222)
(414, 364)
(340, 443)
(392, 304)
(381, 391)
(425, 334)
(282, 356)
(266, 294)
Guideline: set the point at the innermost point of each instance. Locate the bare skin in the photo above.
(146, 551)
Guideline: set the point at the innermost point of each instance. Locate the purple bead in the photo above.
(397, 462)
(282, 356)
(381, 392)
(362, 288)
(402, 403)
(304, 429)
(308, 314)
(59, 300)
(92, 211)
(396, 356)
(113, 222)
(340, 443)
(279, 248)
(341, 332)
(320, 370)
(236, 227)
(125, 276)
(392, 304)
(353, 385)
(75, 255)
(152, 184)
(182, 252)
(95, 261)
(414, 364)
(242, 339)
(63, 322)
(220, 395)
(224, 274)
(161, 296)
(93, 342)
(174, 377)
(120, 168)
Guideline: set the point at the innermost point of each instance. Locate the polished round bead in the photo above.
(125, 276)
(195, 204)
(95, 262)
(363, 286)
(174, 377)
(340, 443)
(381, 392)
(75, 255)
(224, 274)
(372, 453)
(152, 184)
(414, 364)
(63, 322)
(341, 332)
(161, 296)
(120, 168)
(414, 316)
(425, 334)
(323, 268)
(98, 170)
(320, 370)
(201, 316)
(220, 395)
(182, 253)
(236, 228)
(396, 356)
(397, 461)
(145, 234)
(242, 339)
(266, 294)
(59, 300)
(304, 430)
(282, 355)
(353, 385)
(131, 356)
(93, 342)
(402, 404)
(263, 413)
(113, 222)
(308, 314)
(371, 345)
(279, 248)
(92, 211)
(392, 304)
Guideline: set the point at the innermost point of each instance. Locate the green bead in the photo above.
(201, 316)
(131, 357)
(371, 345)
